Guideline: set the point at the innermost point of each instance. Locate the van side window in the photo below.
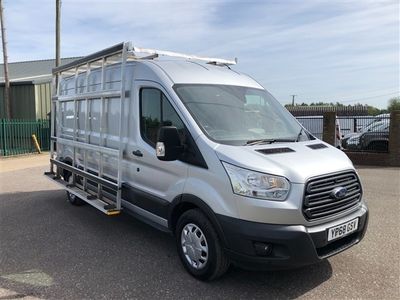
(156, 111)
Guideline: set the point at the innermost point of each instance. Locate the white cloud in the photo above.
(320, 49)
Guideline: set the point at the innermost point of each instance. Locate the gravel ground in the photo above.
(52, 250)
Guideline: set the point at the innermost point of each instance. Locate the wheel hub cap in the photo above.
(194, 246)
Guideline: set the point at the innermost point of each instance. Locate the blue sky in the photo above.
(320, 50)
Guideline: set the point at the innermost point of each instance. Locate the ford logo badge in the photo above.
(339, 192)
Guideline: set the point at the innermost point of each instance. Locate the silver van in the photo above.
(195, 148)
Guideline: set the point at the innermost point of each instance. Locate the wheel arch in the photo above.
(66, 174)
(378, 144)
(186, 202)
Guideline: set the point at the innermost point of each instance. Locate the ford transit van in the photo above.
(195, 148)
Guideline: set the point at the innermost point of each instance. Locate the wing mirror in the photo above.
(168, 147)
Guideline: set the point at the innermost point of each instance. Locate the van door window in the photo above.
(156, 111)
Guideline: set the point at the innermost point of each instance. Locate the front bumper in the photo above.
(292, 245)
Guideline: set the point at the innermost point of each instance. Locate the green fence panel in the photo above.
(16, 136)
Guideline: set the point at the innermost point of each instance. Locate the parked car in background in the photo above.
(353, 135)
(374, 137)
(380, 118)
(375, 125)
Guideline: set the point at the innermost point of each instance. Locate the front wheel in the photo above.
(199, 246)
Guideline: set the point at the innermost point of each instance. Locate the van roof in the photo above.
(193, 72)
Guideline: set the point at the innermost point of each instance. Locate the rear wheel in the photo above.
(199, 246)
(73, 199)
(381, 146)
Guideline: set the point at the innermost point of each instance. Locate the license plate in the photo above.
(342, 230)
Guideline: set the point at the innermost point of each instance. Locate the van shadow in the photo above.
(287, 284)
(50, 248)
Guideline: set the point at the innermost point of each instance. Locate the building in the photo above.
(30, 83)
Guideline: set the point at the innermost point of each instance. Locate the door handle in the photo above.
(137, 153)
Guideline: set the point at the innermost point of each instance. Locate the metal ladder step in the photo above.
(105, 207)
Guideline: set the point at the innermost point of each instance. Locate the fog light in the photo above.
(263, 249)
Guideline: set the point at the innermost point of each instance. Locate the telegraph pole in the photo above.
(7, 104)
(293, 99)
(58, 17)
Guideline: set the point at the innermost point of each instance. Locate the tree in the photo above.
(394, 104)
(373, 111)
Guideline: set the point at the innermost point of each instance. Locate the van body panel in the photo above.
(162, 180)
(282, 212)
(211, 185)
(153, 188)
(297, 166)
(190, 72)
(291, 245)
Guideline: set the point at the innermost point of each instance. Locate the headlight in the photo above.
(258, 185)
(353, 140)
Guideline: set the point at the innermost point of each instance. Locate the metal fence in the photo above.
(16, 136)
(311, 117)
(314, 124)
(308, 111)
(366, 133)
(357, 133)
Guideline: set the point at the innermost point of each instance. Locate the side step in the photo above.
(105, 207)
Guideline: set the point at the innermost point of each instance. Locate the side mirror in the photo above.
(168, 147)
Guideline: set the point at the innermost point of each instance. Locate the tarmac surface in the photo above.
(50, 249)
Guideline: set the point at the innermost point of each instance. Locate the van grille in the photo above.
(319, 201)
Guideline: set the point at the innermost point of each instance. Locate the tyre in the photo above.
(73, 199)
(199, 246)
(380, 146)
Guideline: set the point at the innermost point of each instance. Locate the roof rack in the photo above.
(155, 53)
(133, 53)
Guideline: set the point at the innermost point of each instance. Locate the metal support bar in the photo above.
(75, 122)
(89, 176)
(103, 206)
(209, 60)
(119, 48)
(102, 124)
(86, 124)
(91, 95)
(52, 119)
(84, 146)
(121, 122)
(92, 57)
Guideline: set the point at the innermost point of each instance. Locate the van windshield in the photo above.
(238, 115)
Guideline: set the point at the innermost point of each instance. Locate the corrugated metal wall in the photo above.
(2, 115)
(22, 101)
(42, 99)
(29, 101)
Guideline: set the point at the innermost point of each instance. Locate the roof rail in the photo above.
(132, 52)
(92, 57)
(155, 53)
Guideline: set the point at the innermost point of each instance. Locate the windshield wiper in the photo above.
(266, 141)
